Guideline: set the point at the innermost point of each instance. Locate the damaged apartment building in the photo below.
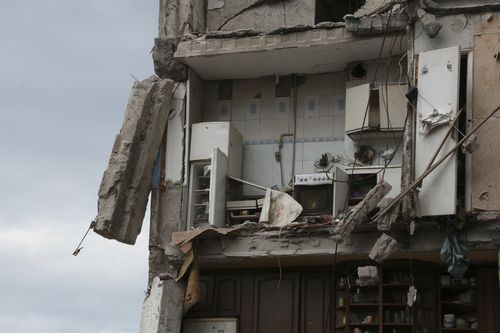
(315, 166)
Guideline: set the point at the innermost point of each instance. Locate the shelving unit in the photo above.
(381, 307)
(200, 199)
(459, 298)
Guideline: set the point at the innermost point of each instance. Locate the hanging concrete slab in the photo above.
(126, 183)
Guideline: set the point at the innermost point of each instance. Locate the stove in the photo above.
(314, 191)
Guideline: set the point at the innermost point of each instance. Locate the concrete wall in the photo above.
(258, 14)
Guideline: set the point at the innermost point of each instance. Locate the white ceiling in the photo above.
(300, 60)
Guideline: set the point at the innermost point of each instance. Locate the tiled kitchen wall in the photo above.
(261, 118)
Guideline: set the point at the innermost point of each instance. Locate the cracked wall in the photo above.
(260, 14)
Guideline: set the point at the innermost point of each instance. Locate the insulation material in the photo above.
(435, 119)
(279, 209)
(485, 180)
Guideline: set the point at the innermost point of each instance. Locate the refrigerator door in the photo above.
(217, 208)
(438, 94)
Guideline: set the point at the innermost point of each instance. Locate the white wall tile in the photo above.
(252, 129)
(338, 125)
(224, 110)
(253, 108)
(240, 126)
(299, 128)
(311, 106)
(281, 126)
(282, 107)
(267, 129)
(267, 108)
(325, 127)
(339, 104)
(311, 127)
(238, 109)
(326, 105)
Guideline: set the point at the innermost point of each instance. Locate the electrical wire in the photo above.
(368, 103)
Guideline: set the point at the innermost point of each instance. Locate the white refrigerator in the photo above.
(215, 153)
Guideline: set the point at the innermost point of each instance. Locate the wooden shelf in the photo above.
(459, 304)
(363, 325)
(394, 305)
(363, 305)
(459, 329)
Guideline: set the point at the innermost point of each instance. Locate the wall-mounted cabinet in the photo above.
(375, 110)
(352, 184)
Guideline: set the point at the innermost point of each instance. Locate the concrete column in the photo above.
(162, 307)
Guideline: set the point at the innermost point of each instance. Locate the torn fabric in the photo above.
(279, 209)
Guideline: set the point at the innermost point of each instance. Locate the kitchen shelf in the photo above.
(385, 301)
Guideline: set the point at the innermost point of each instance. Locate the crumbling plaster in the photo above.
(260, 14)
(297, 244)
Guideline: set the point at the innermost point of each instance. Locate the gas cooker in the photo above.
(309, 179)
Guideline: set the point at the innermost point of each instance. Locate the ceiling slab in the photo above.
(307, 52)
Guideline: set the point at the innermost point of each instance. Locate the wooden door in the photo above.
(276, 303)
(488, 300)
(204, 306)
(315, 301)
(227, 295)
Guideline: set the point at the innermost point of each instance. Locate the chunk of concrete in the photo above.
(162, 308)
(163, 59)
(126, 183)
(361, 211)
(383, 248)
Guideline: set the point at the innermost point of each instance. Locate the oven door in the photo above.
(315, 199)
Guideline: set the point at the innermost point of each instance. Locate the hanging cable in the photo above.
(79, 247)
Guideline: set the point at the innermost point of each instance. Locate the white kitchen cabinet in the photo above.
(385, 108)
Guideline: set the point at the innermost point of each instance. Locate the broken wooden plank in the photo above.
(126, 183)
(383, 248)
(360, 212)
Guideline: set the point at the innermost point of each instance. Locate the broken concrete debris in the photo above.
(361, 211)
(383, 248)
(163, 58)
(126, 183)
(367, 276)
(386, 221)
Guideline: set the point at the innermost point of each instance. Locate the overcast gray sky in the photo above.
(64, 83)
